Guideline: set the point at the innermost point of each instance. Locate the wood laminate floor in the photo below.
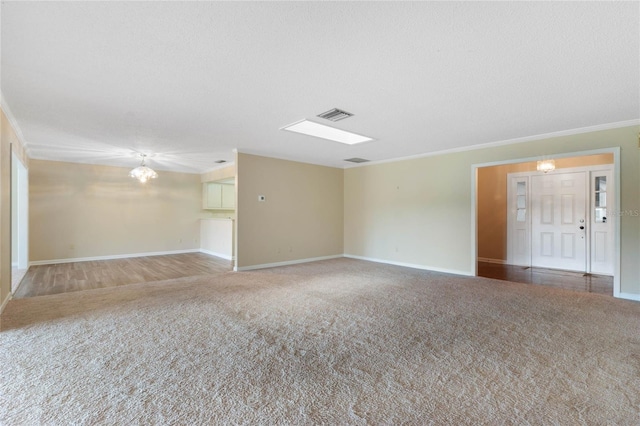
(66, 277)
(567, 280)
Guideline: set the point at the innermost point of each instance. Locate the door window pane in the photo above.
(600, 199)
(521, 201)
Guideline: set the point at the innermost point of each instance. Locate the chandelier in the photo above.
(142, 172)
(546, 166)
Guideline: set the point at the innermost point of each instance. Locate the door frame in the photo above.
(588, 170)
(616, 207)
(19, 217)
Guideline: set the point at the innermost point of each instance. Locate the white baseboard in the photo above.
(628, 296)
(488, 260)
(116, 256)
(412, 265)
(212, 253)
(286, 263)
(4, 302)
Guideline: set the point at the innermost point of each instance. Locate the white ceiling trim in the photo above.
(561, 133)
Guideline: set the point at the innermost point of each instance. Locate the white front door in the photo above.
(558, 221)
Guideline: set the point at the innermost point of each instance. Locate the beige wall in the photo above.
(413, 212)
(81, 210)
(5, 209)
(8, 140)
(492, 200)
(419, 211)
(302, 216)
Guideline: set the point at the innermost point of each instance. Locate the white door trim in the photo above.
(19, 216)
(616, 175)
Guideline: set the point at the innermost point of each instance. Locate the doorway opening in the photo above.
(549, 228)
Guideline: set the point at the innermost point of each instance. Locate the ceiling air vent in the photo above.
(335, 115)
(220, 161)
(356, 160)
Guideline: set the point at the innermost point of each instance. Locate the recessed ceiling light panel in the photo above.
(311, 128)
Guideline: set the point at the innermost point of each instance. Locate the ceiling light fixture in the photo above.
(142, 172)
(546, 166)
(310, 128)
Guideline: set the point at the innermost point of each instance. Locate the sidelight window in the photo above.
(600, 213)
(521, 202)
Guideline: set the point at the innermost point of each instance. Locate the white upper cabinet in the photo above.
(218, 196)
(228, 197)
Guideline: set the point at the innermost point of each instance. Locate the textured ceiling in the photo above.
(188, 82)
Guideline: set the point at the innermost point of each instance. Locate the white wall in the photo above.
(216, 237)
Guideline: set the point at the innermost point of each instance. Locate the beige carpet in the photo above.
(334, 342)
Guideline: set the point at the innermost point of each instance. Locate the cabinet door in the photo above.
(213, 197)
(229, 197)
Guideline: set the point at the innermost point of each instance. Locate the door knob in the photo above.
(582, 227)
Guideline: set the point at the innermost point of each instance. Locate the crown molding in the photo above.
(561, 133)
